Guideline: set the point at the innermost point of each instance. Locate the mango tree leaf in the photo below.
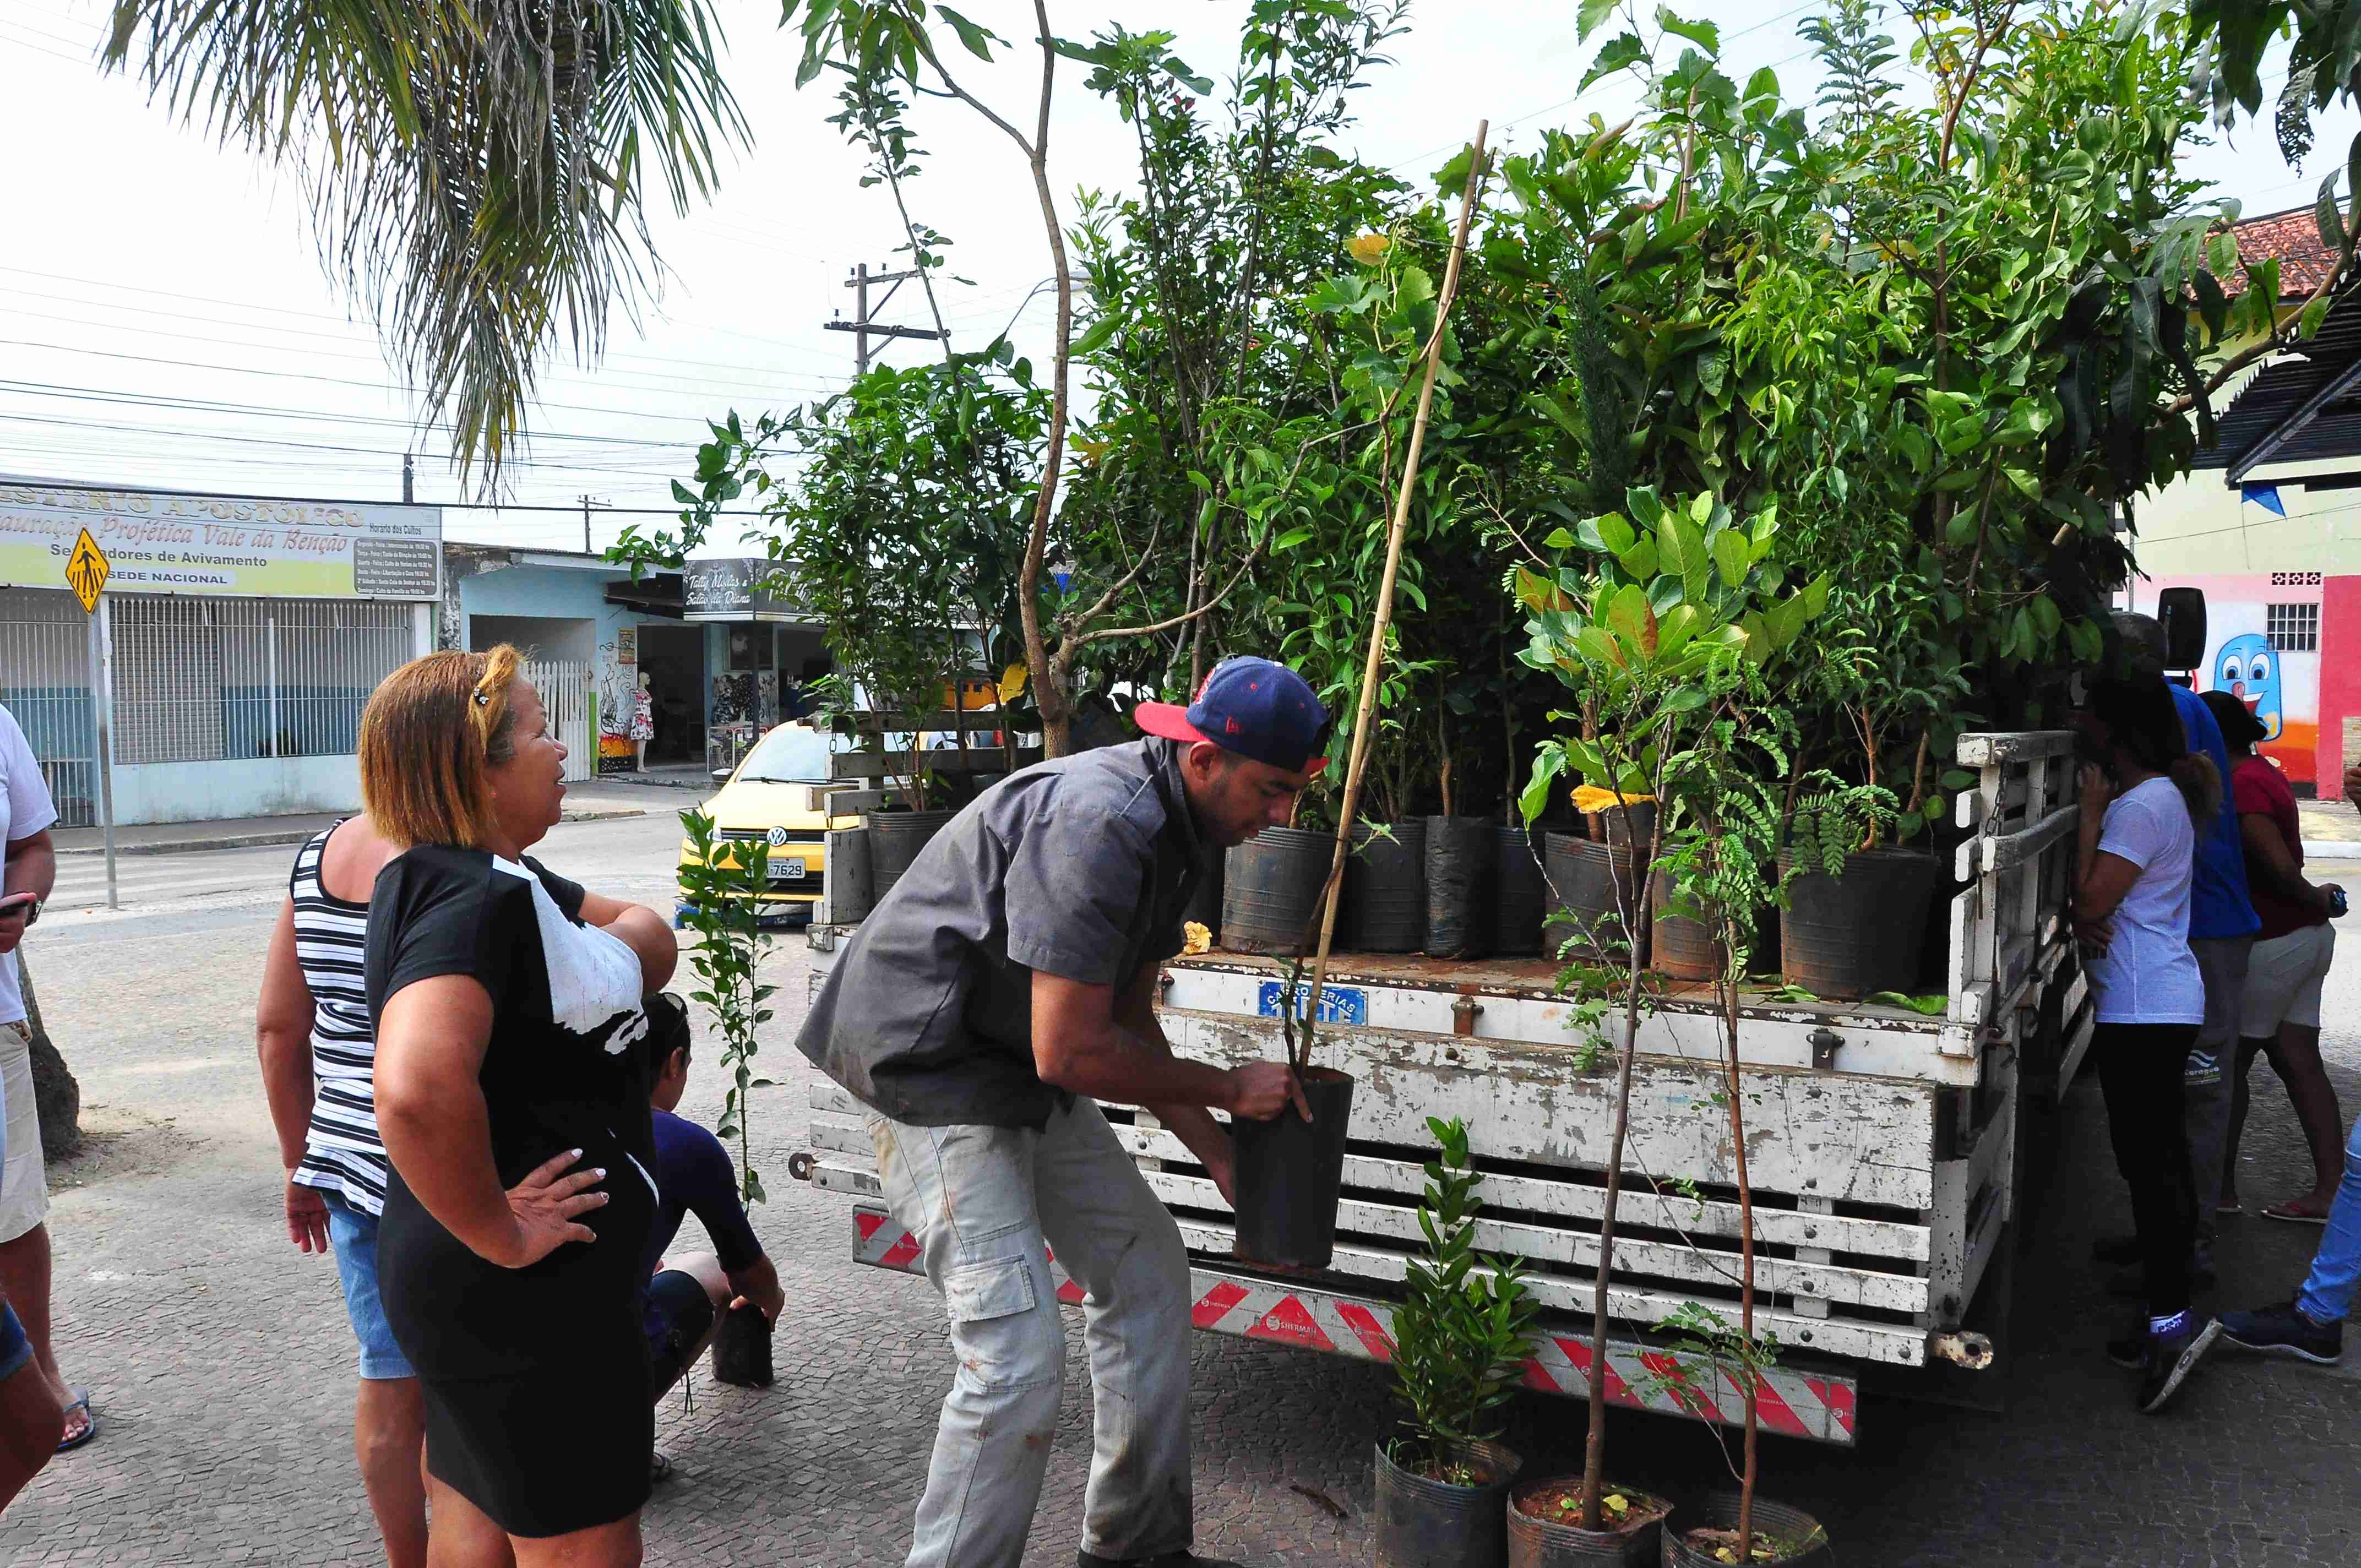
(1633, 619)
(1730, 553)
(1640, 561)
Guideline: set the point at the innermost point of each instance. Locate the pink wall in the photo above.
(2340, 675)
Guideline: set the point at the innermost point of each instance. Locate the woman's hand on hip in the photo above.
(545, 1207)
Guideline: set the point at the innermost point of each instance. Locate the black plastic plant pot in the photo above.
(1679, 948)
(1462, 886)
(895, 839)
(741, 1348)
(1794, 1534)
(1270, 889)
(1542, 1532)
(1523, 896)
(1385, 889)
(1849, 936)
(1425, 1523)
(1591, 884)
(1289, 1174)
(1611, 830)
(1205, 904)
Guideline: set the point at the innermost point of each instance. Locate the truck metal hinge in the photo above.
(1464, 1014)
(1824, 1044)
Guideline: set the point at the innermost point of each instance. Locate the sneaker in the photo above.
(2285, 1330)
(2170, 1359)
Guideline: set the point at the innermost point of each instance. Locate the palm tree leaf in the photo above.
(476, 167)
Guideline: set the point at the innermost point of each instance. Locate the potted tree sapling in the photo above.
(1856, 913)
(1724, 867)
(1680, 600)
(1460, 1340)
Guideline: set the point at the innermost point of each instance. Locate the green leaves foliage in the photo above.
(1463, 1326)
(720, 880)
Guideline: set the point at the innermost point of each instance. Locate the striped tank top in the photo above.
(341, 1152)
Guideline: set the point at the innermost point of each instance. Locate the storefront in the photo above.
(243, 635)
(761, 650)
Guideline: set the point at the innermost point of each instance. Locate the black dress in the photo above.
(535, 1379)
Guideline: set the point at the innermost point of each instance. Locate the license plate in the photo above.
(1338, 1003)
(786, 870)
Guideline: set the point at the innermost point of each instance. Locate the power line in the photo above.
(209, 405)
(331, 380)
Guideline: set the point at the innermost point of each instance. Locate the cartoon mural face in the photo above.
(2248, 668)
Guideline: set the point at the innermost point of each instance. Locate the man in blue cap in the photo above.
(1004, 984)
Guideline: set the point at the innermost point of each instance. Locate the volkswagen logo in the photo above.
(777, 835)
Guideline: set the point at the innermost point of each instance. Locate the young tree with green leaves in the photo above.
(1652, 622)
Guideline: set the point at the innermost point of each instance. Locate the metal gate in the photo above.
(567, 695)
(45, 682)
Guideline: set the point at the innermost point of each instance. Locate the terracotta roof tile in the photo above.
(2293, 236)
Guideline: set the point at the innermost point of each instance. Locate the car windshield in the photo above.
(793, 754)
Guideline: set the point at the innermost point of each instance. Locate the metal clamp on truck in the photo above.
(1887, 1147)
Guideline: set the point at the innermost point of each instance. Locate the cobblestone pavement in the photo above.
(222, 1366)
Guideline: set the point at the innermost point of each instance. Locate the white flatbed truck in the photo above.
(1886, 1147)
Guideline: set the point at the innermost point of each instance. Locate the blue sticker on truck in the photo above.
(1338, 1003)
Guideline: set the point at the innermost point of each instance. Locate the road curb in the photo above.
(2331, 850)
(297, 836)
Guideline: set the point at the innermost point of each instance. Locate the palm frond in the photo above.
(475, 167)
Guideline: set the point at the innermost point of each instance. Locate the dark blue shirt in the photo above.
(2218, 904)
(694, 1176)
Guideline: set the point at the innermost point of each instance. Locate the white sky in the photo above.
(147, 270)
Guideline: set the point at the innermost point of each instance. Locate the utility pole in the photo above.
(408, 480)
(863, 327)
(588, 502)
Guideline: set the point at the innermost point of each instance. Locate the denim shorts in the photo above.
(353, 1232)
(15, 1350)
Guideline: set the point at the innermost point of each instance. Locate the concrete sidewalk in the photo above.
(595, 801)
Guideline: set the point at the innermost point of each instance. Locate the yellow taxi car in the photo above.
(777, 794)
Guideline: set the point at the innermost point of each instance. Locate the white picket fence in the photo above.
(566, 689)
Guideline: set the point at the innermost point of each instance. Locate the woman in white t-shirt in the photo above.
(2143, 793)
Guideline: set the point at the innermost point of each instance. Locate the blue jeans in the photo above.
(2327, 1293)
(354, 1232)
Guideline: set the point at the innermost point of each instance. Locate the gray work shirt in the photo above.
(1078, 867)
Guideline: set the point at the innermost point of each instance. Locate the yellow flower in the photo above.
(1368, 250)
(1196, 938)
(1589, 799)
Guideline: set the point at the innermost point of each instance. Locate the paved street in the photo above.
(222, 1364)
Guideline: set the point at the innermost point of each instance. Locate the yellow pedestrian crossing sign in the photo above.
(86, 571)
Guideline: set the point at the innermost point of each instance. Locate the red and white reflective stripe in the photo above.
(1638, 1376)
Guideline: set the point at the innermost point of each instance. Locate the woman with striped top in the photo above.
(318, 1046)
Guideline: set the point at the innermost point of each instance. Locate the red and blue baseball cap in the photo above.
(1252, 706)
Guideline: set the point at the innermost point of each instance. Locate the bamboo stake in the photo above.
(1385, 612)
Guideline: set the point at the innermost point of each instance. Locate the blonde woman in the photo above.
(513, 1108)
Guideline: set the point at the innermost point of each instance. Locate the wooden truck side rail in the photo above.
(1882, 1144)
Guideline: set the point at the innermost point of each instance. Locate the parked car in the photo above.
(778, 793)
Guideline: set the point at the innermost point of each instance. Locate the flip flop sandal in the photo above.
(2229, 1209)
(90, 1429)
(2288, 1214)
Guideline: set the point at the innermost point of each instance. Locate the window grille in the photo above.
(2292, 627)
(200, 679)
(45, 684)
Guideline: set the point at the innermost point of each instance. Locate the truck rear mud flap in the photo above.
(1794, 1402)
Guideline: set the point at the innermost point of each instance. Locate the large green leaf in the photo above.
(1731, 555)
